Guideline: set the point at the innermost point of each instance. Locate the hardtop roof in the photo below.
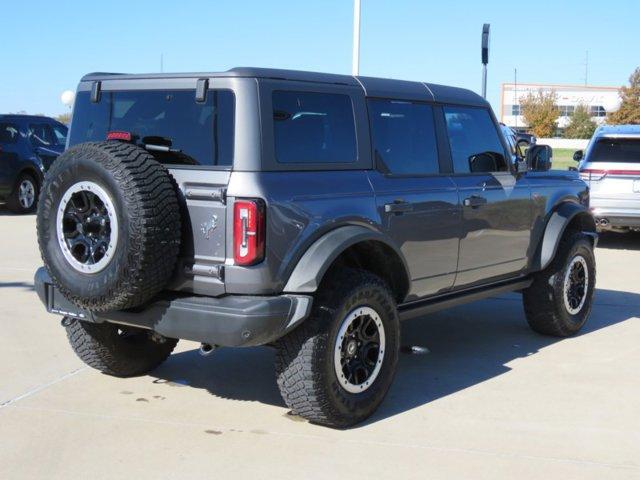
(373, 87)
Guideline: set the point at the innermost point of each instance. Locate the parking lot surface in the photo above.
(490, 399)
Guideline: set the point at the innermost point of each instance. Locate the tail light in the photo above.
(248, 232)
(116, 135)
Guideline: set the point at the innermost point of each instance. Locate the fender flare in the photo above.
(556, 226)
(315, 262)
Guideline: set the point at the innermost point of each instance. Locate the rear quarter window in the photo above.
(9, 133)
(620, 150)
(196, 133)
(313, 128)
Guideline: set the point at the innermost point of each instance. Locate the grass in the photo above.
(563, 158)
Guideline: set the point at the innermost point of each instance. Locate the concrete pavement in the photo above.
(491, 400)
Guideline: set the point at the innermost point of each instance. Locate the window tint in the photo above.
(625, 150)
(475, 145)
(41, 135)
(8, 133)
(197, 133)
(404, 137)
(313, 128)
(60, 132)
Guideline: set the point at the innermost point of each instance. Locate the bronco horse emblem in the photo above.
(207, 228)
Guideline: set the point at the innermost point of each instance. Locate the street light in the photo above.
(355, 68)
(485, 57)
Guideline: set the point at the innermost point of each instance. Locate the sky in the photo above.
(48, 46)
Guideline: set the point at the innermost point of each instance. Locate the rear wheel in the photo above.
(24, 197)
(336, 368)
(559, 301)
(118, 350)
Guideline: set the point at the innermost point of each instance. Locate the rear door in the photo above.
(496, 205)
(417, 203)
(44, 143)
(194, 138)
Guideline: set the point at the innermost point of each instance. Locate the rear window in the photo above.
(313, 128)
(404, 137)
(622, 150)
(196, 133)
(8, 133)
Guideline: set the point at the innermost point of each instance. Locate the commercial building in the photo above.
(599, 100)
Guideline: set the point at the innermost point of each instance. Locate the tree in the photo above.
(629, 111)
(64, 118)
(581, 125)
(540, 112)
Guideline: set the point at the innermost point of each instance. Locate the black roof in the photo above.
(373, 87)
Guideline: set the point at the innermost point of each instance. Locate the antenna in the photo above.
(162, 63)
(355, 68)
(485, 57)
(515, 93)
(586, 68)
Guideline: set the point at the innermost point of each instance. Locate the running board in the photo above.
(430, 305)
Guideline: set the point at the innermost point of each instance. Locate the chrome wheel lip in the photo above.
(576, 262)
(97, 190)
(26, 194)
(337, 353)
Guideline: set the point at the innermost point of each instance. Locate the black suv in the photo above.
(28, 146)
(309, 212)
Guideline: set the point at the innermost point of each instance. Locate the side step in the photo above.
(422, 307)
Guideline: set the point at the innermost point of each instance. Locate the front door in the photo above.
(496, 204)
(418, 206)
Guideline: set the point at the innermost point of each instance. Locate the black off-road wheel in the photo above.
(559, 301)
(118, 350)
(24, 197)
(108, 225)
(337, 366)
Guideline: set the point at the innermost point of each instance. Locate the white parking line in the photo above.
(39, 388)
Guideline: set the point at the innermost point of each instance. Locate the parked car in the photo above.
(306, 211)
(28, 146)
(523, 140)
(611, 167)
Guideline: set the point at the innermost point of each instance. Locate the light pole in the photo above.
(485, 57)
(355, 68)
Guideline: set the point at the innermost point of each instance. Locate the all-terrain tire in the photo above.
(144, 201)
(118, 351)
(14, 202)
(546, 309)
(305, 368)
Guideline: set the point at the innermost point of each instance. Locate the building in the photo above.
(599, 100)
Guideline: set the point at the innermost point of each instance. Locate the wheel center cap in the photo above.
(351, 348)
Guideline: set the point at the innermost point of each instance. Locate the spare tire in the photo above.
(108, 225)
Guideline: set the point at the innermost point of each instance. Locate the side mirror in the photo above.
(577, 156)
(539, 158)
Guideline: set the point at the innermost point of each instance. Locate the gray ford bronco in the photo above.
(308, 212)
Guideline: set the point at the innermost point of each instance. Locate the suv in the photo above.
(309, 212)
(611, 168)
(28, 146)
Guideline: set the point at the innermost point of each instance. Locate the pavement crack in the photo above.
(41, 387)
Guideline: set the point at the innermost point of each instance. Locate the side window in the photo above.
(60, 132)
(474, 140)
(8, 133)
(41, 135)
(404, 137)
(313, 127)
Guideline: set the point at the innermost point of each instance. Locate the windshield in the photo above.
(620, 150)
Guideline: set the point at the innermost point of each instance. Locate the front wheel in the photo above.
(559, 300)
(336, 368)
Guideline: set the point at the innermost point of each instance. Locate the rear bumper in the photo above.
(616, 217)
(233, 321)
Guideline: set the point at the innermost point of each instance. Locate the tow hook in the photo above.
(207, 349)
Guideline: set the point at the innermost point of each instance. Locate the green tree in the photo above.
(64, 118)
(581, 125)
(629, 111)
(540, 111)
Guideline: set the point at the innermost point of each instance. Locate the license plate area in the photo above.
(636, 186)
(56, 303)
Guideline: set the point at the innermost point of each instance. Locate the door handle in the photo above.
(474, 201)
(398, 206)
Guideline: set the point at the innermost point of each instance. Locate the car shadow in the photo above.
(5, 212)
(467, 345)
(619, 241)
